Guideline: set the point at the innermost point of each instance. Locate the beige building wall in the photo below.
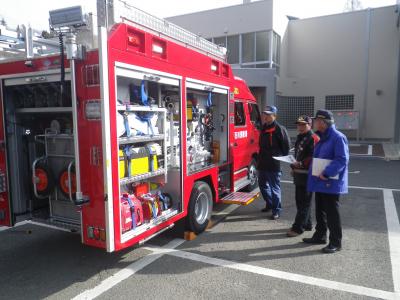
(248, 17)
(335, 55)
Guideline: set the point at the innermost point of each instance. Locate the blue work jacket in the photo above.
(333, 145)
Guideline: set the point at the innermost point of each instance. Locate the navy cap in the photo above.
(270, 110)
(304, 120)
(324, 114)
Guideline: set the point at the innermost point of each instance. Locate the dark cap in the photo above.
(270, 110)
(324, 115)
(304, 120)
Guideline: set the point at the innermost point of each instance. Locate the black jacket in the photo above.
(303, 153)
(274, 141)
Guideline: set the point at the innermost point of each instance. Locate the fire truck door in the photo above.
(240, 139)
(254, 127)
(5, 205)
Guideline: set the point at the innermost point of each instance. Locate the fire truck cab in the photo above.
(121, 141)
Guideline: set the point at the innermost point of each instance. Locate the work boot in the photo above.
(308, 228)
(331, 249)
(266, 209)
(314, 240)
(292, 233)
(274, 217)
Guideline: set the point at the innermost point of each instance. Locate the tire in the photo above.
(252, 176)
(45, 184)
(200, 207)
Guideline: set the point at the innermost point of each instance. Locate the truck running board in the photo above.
(240, 198)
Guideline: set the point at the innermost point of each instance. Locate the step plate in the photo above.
(240, 198)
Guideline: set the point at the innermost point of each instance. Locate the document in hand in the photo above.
(319, 165)
(287, 159)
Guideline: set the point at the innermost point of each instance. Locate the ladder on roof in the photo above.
(24, 42)
(110, 12)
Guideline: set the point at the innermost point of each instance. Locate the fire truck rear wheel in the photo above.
(253, 177)
(200, 207)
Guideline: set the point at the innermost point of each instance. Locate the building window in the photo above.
(276, 53)
(233, 49)
(262, 46)
(240, 118)
(220, 41)
(290, 108)
(253, 49)
(339, 102)
(248, 47)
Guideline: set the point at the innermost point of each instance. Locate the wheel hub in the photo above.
(201, 208)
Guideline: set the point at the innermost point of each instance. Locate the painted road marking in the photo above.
(37, 224)
(357, 187)
(333, 285)
(393, 225)
(369, 149)
(125, 273)
(4, 228)
(227, 210)
(354, 172)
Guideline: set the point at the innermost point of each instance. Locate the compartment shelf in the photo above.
(136, 178)
(165, 215)
(140, 108)
(139, 139)
(44, 110)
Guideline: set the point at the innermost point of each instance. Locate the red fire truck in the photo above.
(120, 141)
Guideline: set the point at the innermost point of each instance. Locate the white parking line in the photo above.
(49, 226)
(377, 188)
(227, 210)
(369, 149)
(393, 225)
(4, 228)
(35, 223)
(329, 284)
(125, 273)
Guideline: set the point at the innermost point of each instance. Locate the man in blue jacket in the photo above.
(329, 184)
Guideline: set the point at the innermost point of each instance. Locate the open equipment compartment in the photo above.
(207, 126)
(40, 147)
(148, 129)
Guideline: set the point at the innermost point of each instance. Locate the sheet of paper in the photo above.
(287, 159)
(319, 165)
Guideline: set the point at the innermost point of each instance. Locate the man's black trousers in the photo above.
(328, 217)
(303, 205)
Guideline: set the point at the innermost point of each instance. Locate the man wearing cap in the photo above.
(303, 152)
(274, 141)
(330, 183)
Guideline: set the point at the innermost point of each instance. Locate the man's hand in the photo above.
(296, 165)
(322, 177)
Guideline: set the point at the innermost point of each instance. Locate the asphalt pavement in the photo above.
(244, 256)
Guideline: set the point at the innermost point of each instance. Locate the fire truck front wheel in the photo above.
(200, 207)
(253, 177)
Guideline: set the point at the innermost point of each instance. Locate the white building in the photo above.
(343, 62)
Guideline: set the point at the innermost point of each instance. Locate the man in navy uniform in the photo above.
(330, 183)
(274, 141)
(303, 152)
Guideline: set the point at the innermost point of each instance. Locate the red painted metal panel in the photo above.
(131, 46)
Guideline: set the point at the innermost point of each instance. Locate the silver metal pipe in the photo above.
(75, 130)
